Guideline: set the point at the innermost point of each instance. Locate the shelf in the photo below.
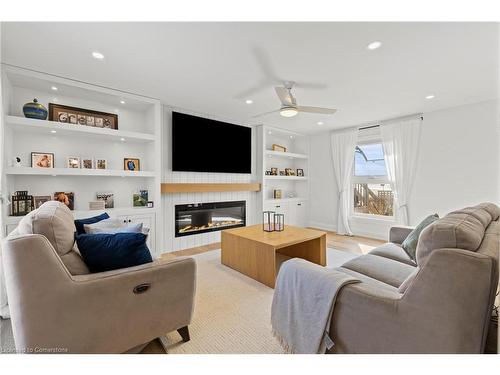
(28, 171)
(289, 155)
(81, 214)
(17, 123)
(285, 200)
(296, 178)
(203, 188)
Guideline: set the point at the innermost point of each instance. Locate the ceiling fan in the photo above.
(289, 107)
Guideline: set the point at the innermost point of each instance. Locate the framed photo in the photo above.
(289, 172)
(108, 198)
(140, 199)
(42, 160)
(67, 198)
(72, 118)
(73, 162)
(279, 148)
(131, 164)
(150, 204)
(300, 172)
(87, 163)
(274, 171)
(87, 117)
(100, 164)
(41, 199)
(282, 173)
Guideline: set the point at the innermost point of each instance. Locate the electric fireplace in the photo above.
(208, 217)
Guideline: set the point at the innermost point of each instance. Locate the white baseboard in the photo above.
(323, 226)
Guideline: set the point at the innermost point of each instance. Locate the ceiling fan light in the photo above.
(288, 112)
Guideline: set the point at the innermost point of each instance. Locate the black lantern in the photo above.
(279, 222)
(22, 203)
(268, 221)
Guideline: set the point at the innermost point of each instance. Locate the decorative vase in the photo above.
(35, 110)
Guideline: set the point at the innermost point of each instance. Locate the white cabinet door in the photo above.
(300, 213)
(147, 221)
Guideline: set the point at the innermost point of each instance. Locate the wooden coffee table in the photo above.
(254, 252)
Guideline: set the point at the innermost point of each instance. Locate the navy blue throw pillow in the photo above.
(111, 251)
(91, 220)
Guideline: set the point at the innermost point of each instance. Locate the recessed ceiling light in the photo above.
(269, 132)
(374, 45)
(320, 122)
(54, 88)
(249, 101)
(97, 55)
(430, 97)
(122, 139)
(122, 101)
(291, 137)
(53, 131)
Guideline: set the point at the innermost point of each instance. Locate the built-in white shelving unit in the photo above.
(138, 136)
(294, 189)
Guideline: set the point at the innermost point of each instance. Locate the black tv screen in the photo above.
(203, 145)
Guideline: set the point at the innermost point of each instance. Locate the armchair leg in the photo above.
(184, 332)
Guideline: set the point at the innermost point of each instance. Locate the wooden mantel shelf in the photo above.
(167, 188)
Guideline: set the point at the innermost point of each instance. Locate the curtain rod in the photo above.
(397, 118)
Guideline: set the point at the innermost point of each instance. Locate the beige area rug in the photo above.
(232, 311)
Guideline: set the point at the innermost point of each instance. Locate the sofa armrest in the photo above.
(398, 233)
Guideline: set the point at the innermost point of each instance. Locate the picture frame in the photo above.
(73, 162)
(68, 198)
(131, 164)
(274, 171)
(279, 148)
(40, 199)
(108, 198)
(140, 199)
(300, 172)
(150, 204)
(101, 163)
(81, 116)
(42, 160)
(282, 173)
(87, 163)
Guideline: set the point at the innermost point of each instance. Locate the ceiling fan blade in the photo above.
(285, 97)
(324, 111)
(266, 113)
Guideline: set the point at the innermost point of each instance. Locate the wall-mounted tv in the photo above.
(203, 145)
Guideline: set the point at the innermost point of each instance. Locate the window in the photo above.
(372, 193)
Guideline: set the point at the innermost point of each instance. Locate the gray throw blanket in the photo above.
(303, 303)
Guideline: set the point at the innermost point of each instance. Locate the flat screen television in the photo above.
(203, 145)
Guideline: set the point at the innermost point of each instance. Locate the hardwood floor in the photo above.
(354, 244)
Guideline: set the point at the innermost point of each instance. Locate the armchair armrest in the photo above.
(398, 233)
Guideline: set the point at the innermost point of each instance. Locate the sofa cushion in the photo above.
(379, 268)
(79, 224)
(478, 212)
(394, 252)
(113, 225)
(375, 287)
(105, 252)
(53, 220)
(492, 208)
(74, 263)
(410, 243)
(455, 230)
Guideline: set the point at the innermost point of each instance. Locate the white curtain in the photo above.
(343, 143)
(401, 140)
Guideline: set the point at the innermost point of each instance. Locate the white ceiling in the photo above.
(206, 67)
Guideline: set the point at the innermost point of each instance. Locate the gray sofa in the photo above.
(56, 305)
(441, 303)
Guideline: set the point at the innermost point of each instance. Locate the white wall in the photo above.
(458, 166)
(458, 160)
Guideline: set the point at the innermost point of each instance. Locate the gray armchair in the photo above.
(57, 306)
